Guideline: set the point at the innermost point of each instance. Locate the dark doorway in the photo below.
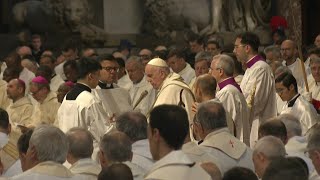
(310, 20)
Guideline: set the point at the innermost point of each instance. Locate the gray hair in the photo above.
(203, 55)
(274, 49)
(292, 124)
(133, 124)
(136, 60)
(226, 63)
(282, 69)
(271, 147)
(211, 115)
(116, 147)
(50, 143)
(314, 138)
(80, 142)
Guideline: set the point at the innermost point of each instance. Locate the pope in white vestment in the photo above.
(234, 102)
(86, 167)
(228, 150)
(175, 91)
(258, 88)
(142, 96)
(176, 165)
(303, 111)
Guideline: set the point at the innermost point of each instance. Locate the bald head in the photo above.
(24, 50)
(115, 147)
(16, 89)
(288, 51)
(290, 43)
(145, 52)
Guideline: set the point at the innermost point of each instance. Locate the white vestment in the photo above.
(136, 93)
(48, 170)
(124, 82)
(26, 76)
(176, 165)
(46, 112)
(84, 111)
(229, 151)
(87, 167)
(296, 70)
(258, 88)
(4, 100)
(174, 91)
(235, 103)
(314, 88)
(302, 110)
(296, 147)
(55, 82)
(187, 73)
(141, 154)
(59, 70)
(238, 78)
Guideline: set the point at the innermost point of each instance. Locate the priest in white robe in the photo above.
(80, 108)
(230, 94)
(289, 55)
(177, 62)
(257, 84)
(141, 92)
(170, 87)
(286, 86)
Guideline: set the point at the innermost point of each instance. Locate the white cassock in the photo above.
(176, 165)
(175, 91)
(87, 167)
(137, 171)
(4, 100)
(141, 154)
(80, 108)
(258, 88)
(314, 88)
(187, 73)
(46, 112)
(59, 70)
(235, 103)
(296, 70)
(302, 110)
(124, 82)
(48, 170)
(136, 94)
(229, 150)
(55, 82)
(9, 156)
(26, 76)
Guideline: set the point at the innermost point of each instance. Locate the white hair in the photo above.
(271, 147)
(292, 124)
(51, 144)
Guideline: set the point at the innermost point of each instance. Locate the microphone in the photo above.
(142, 96)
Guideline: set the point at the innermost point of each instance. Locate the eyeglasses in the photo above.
(240, 45)
(109, 69)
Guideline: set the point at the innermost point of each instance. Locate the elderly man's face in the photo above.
(260, 163)
(135, 72)
(154, 76)
(13, 89)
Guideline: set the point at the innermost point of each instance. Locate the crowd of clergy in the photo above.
(207, 111)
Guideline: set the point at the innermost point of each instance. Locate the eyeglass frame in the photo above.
(108, 69)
